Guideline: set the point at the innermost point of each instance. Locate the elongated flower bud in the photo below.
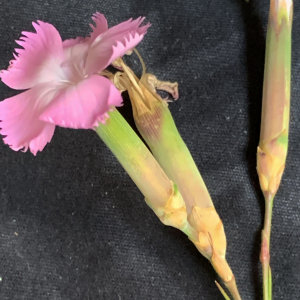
(273, 144)
(155, 123)
(160, 192)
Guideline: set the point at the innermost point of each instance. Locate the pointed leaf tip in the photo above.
(222, 291)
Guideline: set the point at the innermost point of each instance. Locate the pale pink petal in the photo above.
(75, 52)
(81, 105)
(114, 43)
(74, 49)
(20, 124)
(72, 42)
(101, 26)
(39, 61)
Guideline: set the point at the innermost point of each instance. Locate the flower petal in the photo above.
(20, 122)
(124, 27)
(83, 104)
(39, 143)
(39, 61)
(74, 48)
(101, 26)
(113, 43)
(72, 42)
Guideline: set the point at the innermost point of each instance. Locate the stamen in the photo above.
(141, 60)
(131, 77)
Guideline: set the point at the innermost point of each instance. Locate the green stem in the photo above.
(135, 158)
(265, 249)
(273, 145)
(161, 194)
(161, 134)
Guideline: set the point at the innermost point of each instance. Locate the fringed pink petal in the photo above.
(20, 124)
(39, 143)
(83, 104)
(39, 61)
(101, 26)
(114, 43)
(124, 27)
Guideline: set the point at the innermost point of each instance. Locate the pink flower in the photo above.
(61, 77)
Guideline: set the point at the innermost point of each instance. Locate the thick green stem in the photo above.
(135, 158)
(160, 132)
(160, 193)
(155, 123)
